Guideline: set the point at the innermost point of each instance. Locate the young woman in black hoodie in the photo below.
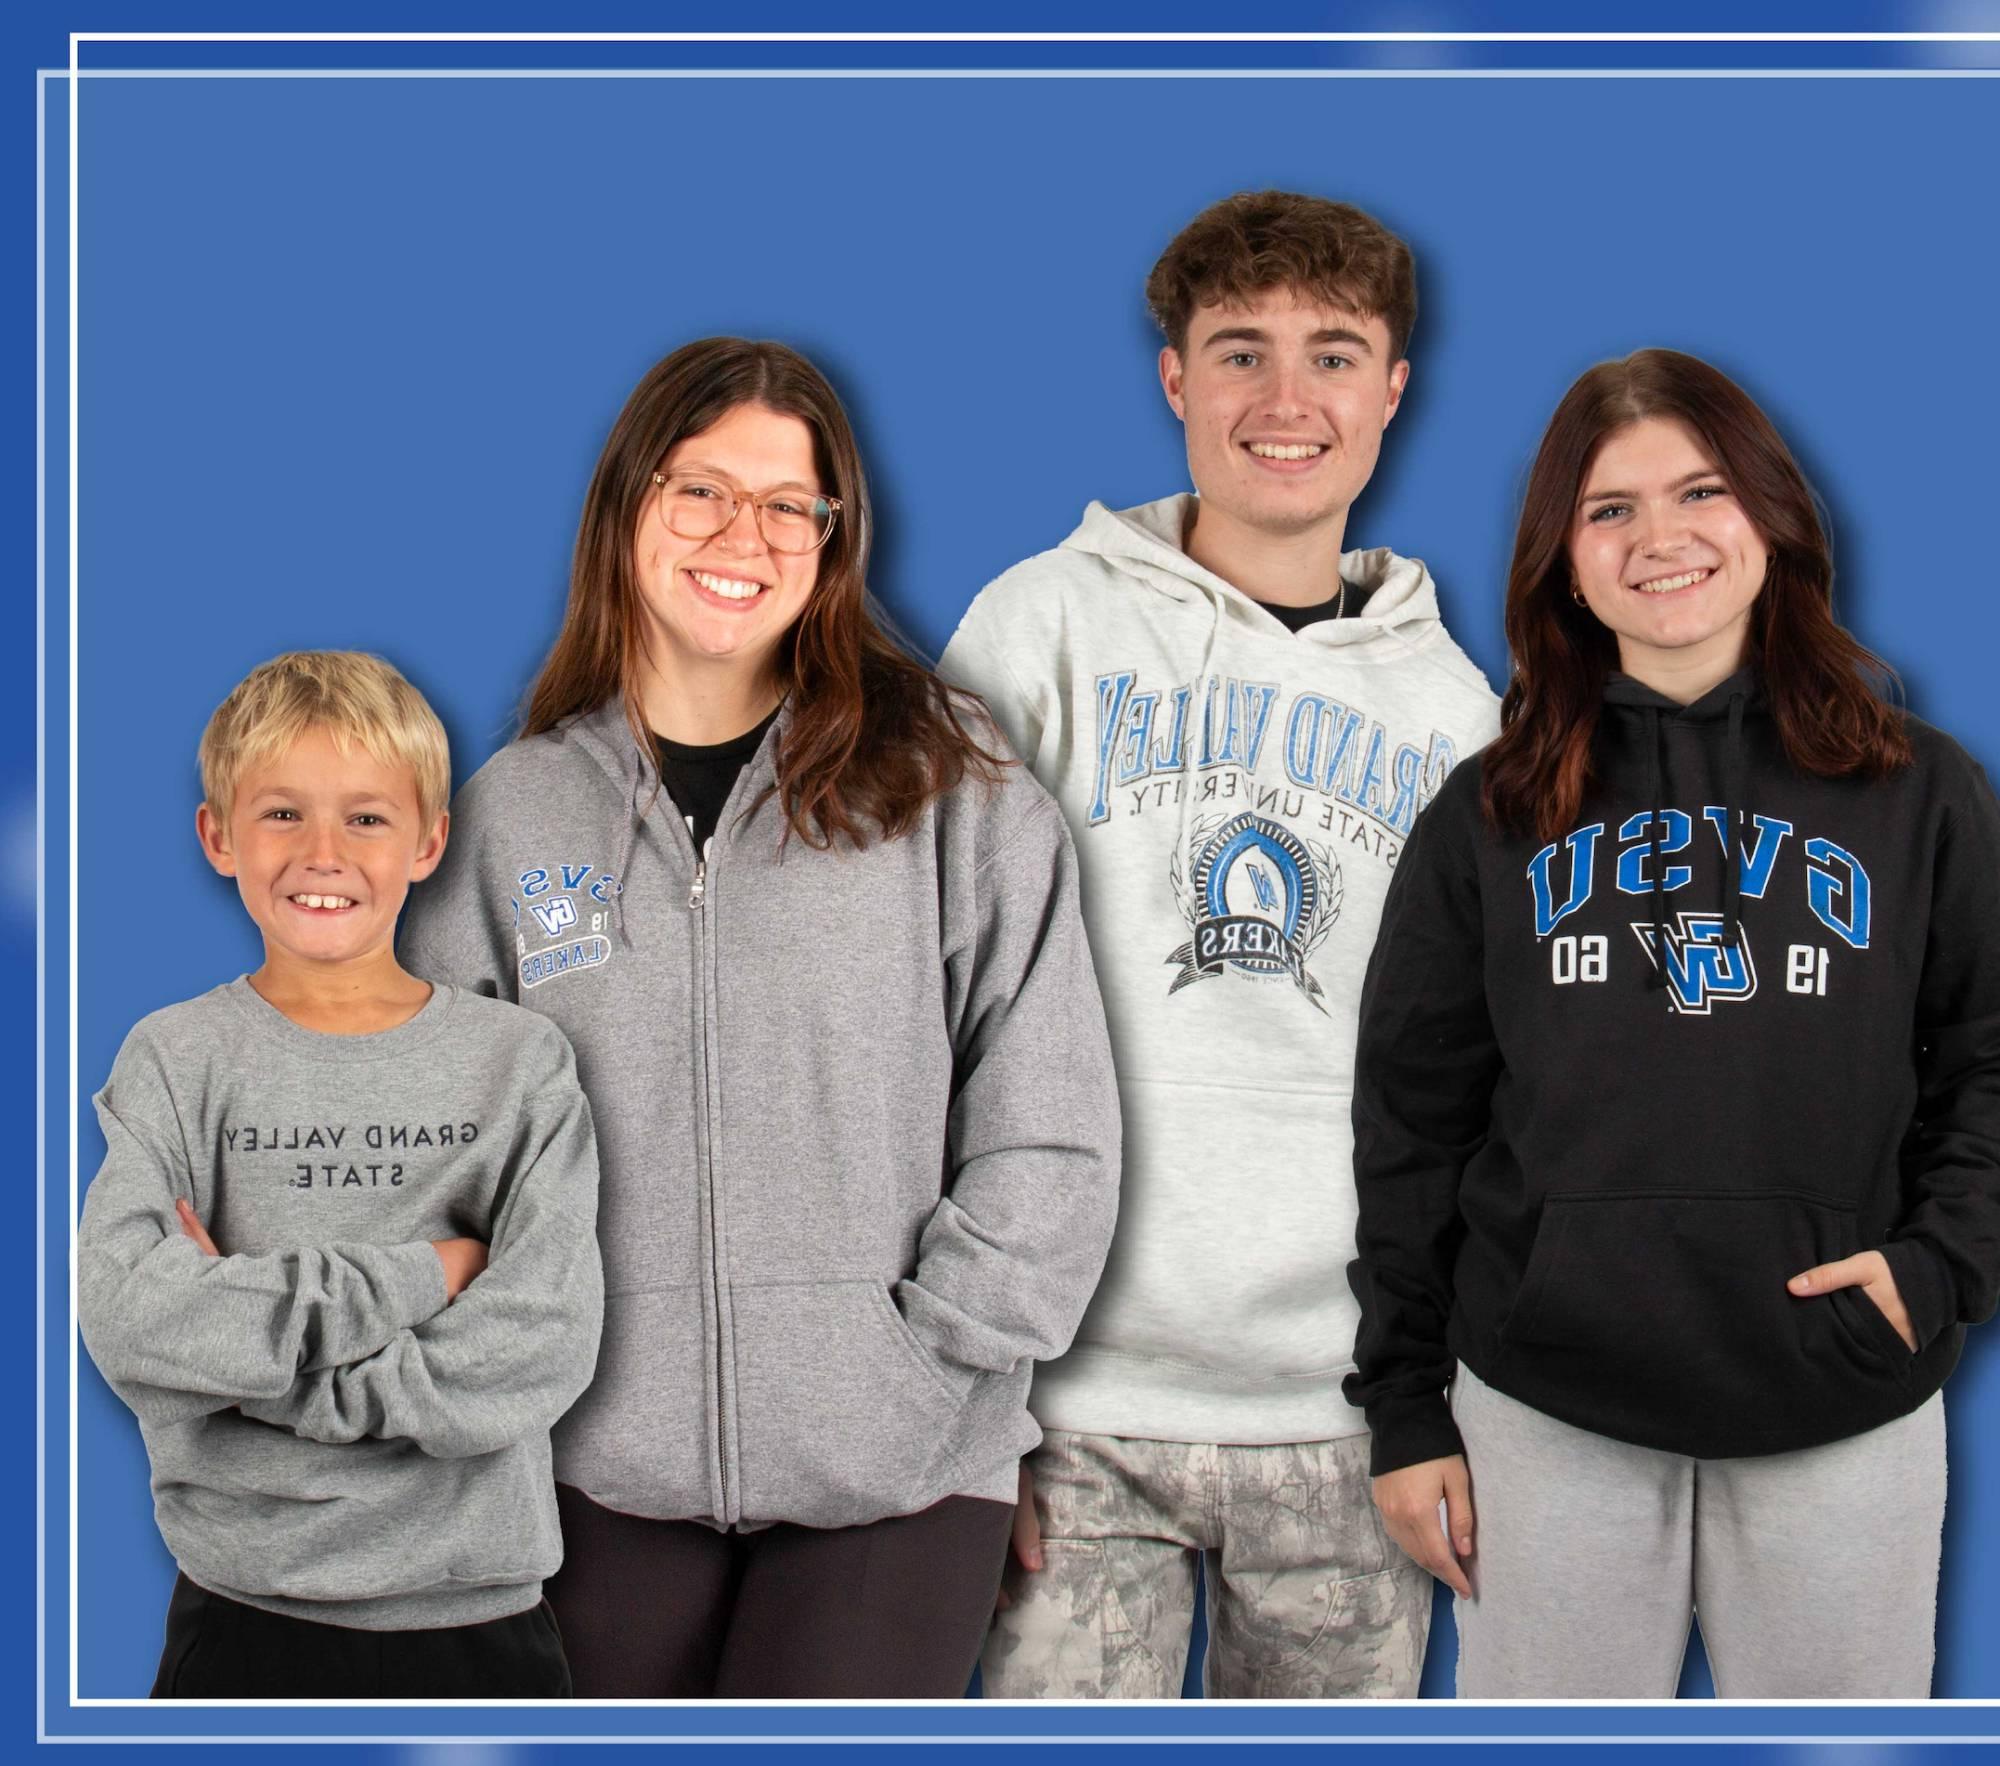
(1677, 1104)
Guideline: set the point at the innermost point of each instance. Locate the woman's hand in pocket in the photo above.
(1409, 1500)
(1868, 1271)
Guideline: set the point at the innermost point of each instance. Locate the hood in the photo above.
(1622, 694)
(607, 738)
(1144, 544)
(1724, 703)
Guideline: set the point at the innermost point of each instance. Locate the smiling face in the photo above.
(1285, 403)
(725, 601)
(323, 846)
(1665, 556)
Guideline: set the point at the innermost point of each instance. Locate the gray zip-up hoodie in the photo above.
(857, 1115)
(328, 1438)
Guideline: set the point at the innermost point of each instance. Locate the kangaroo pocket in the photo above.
(639, 1439)
(1664, 1319)
(841, 1412)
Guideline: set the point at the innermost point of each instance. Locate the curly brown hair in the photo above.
(1262, 239)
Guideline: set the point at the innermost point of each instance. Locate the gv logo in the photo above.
(556, 916)
(1698, 964)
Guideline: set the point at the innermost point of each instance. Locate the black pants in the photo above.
(676, 1610)
(222, 1649)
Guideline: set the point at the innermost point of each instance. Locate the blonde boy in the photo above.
(341, 1257)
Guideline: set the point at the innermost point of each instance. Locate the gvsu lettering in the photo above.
(542, 878)
(1563, 875)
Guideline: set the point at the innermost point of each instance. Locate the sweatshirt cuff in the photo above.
(1925, 1287)
(415, 1283)
(1408, 1431)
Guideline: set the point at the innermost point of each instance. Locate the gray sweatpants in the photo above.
(1814, 1573)
(1307, 1596)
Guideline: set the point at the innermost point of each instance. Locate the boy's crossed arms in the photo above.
(340, 1341)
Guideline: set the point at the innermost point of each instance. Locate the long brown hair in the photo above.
(1826, 693)
(874, 735)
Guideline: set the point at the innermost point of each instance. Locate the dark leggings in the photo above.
(676, 1610)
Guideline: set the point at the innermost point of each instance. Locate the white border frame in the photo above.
(73, 77)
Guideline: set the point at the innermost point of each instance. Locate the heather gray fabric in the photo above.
(1813, 1573)
(1308, 1598)
(328, 1439)
(856, 1112)
(1239, 794)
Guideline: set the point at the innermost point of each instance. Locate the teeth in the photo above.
(323, 901)
(729, 587)
(1666, 585)
(1286, 451)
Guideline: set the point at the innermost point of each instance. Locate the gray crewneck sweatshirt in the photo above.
(859, 1124)
(328, 1438)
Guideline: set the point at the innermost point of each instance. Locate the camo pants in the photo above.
(1307, 1596)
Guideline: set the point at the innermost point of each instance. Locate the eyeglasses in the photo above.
(699, 508)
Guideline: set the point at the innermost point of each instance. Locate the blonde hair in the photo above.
(352, 696)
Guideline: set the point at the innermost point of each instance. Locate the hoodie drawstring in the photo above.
(1197, 725)
(1732, 844)
(1656, 773)
(1732, 841)
(628, 844)
(1720, 713)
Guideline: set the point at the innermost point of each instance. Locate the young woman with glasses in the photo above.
(816, 942)
(1677, 1108)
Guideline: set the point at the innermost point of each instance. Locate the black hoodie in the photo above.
(1613, 1091)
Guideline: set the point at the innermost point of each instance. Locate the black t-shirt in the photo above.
(1298, 618)
(700, 776)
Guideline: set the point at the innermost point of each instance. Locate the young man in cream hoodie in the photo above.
(1242, 722)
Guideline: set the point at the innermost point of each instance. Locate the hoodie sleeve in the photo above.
(458, 926)
(505, 1359)
(1945, 1251)
(180, 1334)
(976, 658)
(1425, 1067)
(1011, 1255)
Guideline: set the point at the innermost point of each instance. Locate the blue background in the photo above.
(349, 349)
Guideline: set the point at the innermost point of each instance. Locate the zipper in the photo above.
(699, 892)
(697, 904)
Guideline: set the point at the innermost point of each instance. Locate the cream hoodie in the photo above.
(1239, 796)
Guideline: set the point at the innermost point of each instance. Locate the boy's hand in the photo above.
(191, 1225)
(462, 1259)
(1027, 1534)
